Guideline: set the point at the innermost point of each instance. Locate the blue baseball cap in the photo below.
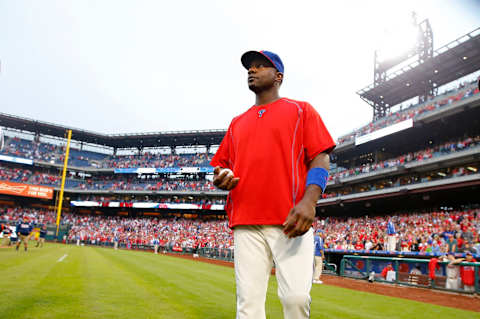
(273, 58)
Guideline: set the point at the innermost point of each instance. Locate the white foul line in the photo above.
(62, 258)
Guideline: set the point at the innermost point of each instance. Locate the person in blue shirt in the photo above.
(115, 242)
(319, 256)
(43, 234)
(155, 243)
(23, 231)
(392, 236)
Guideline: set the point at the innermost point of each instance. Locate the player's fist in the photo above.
(224, 179)
(299, 219)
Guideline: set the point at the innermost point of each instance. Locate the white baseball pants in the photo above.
(318, 267)
(391, 243)
(256, 248)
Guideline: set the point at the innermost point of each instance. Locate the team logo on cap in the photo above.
(260, 112)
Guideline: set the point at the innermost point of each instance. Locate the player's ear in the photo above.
(279, 78)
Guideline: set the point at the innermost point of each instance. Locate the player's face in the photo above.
(262, 76)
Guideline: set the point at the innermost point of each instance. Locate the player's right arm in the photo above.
(223, 176)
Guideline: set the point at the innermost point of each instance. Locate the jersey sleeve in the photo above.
(316, 138)
(223, 156)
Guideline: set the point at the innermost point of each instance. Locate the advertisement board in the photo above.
(17, 189)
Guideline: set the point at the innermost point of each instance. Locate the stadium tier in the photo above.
(340, 175)
(463, 91)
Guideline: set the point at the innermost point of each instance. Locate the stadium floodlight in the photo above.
(399, 42)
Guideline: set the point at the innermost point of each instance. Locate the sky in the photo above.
(116, 66)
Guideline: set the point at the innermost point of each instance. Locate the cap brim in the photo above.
(250, 56)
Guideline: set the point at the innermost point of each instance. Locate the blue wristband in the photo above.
(318, 176)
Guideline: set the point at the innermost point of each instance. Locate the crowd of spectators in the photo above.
(152, 199)
(122, 182)
(31, 150)
(115, 182)
(39, 178)
(171, 233)
(419, 156)
(437, 232)
(157, 160)
(463, 91)
(15, 174)
(395, 181)
(35, 216)
(55, 154)
(105, 182)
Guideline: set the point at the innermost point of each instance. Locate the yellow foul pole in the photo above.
(64, 174)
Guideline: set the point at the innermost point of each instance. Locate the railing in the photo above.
(225, 254)
(414, 272)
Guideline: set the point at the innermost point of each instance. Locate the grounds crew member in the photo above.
(43, 234)
(24, 228)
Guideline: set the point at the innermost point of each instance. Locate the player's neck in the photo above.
(266, 97)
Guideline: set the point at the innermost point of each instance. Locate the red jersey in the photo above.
(269, 147)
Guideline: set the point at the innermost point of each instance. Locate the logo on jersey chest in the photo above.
(261, 112)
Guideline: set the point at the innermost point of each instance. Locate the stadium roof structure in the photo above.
(117, 141)
(449, 63)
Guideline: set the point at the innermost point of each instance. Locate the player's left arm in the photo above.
(301, 217)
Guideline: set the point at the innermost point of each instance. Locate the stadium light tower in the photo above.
(401, 45)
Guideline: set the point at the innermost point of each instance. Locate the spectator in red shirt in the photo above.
(385, 270)
(468, 274)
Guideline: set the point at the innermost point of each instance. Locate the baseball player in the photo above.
(319, 257)
(274, 162)
(23, 231)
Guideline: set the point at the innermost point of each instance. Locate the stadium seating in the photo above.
(125, 182)
(463, 91)
(80, 158)
(15, 174)
(408, 179)
(436, 151)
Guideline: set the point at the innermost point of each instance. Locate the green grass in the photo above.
(103, 283)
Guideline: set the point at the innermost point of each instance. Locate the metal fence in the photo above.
(462, 277)
(212, 253)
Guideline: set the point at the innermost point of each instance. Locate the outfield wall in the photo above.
(423, 273)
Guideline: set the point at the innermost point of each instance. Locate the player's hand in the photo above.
(223, 178)
(299, 219)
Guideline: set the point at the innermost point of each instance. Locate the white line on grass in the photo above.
(62, 258)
